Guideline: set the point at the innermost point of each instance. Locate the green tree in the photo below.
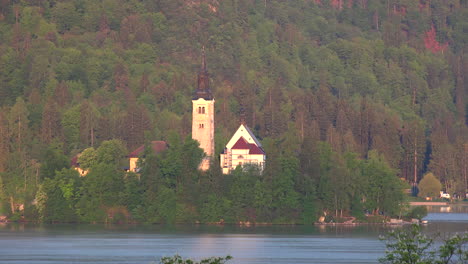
(89, 116)
(418, 212)
(4, 141)
(18, 125)
(54, 160)
(263, 200)
(57, 197)
(242, 194)
(384, 191)
(65, 15)
(161, 206)
(429, 186)
(51, 127)
(71, 127)
(88, 158)
(285, 200)
(214, 208)
(111, 152)
(103, 189)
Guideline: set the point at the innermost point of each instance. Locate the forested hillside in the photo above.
(347, 96)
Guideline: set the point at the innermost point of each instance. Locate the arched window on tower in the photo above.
(199, 110)
(203, 110)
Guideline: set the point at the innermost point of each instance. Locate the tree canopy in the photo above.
(347, 97)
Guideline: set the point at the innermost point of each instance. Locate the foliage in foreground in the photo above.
(413, 247)
(179, 260)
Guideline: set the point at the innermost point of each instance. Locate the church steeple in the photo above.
(203, 84)
(203, 64)
(242, 115)
(203, 125)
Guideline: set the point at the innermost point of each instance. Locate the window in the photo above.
(203, 110)
(201, 126)
(199, 110)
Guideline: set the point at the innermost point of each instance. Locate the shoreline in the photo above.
(428, 203)
(239, 224)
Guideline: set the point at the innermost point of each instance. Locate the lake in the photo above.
(60, 244)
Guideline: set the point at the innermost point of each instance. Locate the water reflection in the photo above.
(60, 244)
(448, 213)
(450, 208)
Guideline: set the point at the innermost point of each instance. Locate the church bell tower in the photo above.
(203, 115)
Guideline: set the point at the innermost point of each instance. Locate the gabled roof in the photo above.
(255, 150)
(243, 144)
(253, 136)
(243, 131)
(157, 146)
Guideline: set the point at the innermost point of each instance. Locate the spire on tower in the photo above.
(242, 115)
(203, 64)
(203, 85)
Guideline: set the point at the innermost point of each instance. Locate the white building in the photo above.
(242, 149)
(203, 115)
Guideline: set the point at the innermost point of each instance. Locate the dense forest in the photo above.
(353, 101)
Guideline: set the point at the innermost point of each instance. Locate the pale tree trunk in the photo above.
(336, 206)
(376, 20)
(19, 134)
(271, 108)
(92, 136)
(12, 204)
(413, 101)
(415, 161)
(465, 167)
(254, 121)
(302, 127)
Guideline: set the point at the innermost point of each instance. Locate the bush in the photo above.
(329, 218)
(357, 210)
(429, 186)
(418, 212)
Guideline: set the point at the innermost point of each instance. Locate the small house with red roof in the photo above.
(243, 149)
(157, 146)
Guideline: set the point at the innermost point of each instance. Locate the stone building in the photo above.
(203, 115)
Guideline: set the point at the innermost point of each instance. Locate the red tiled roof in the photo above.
(157, 146)
(255, 150)
(243, 144)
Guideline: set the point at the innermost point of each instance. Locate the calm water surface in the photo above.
(60, 244)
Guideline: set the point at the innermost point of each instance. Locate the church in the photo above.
(242, 149)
